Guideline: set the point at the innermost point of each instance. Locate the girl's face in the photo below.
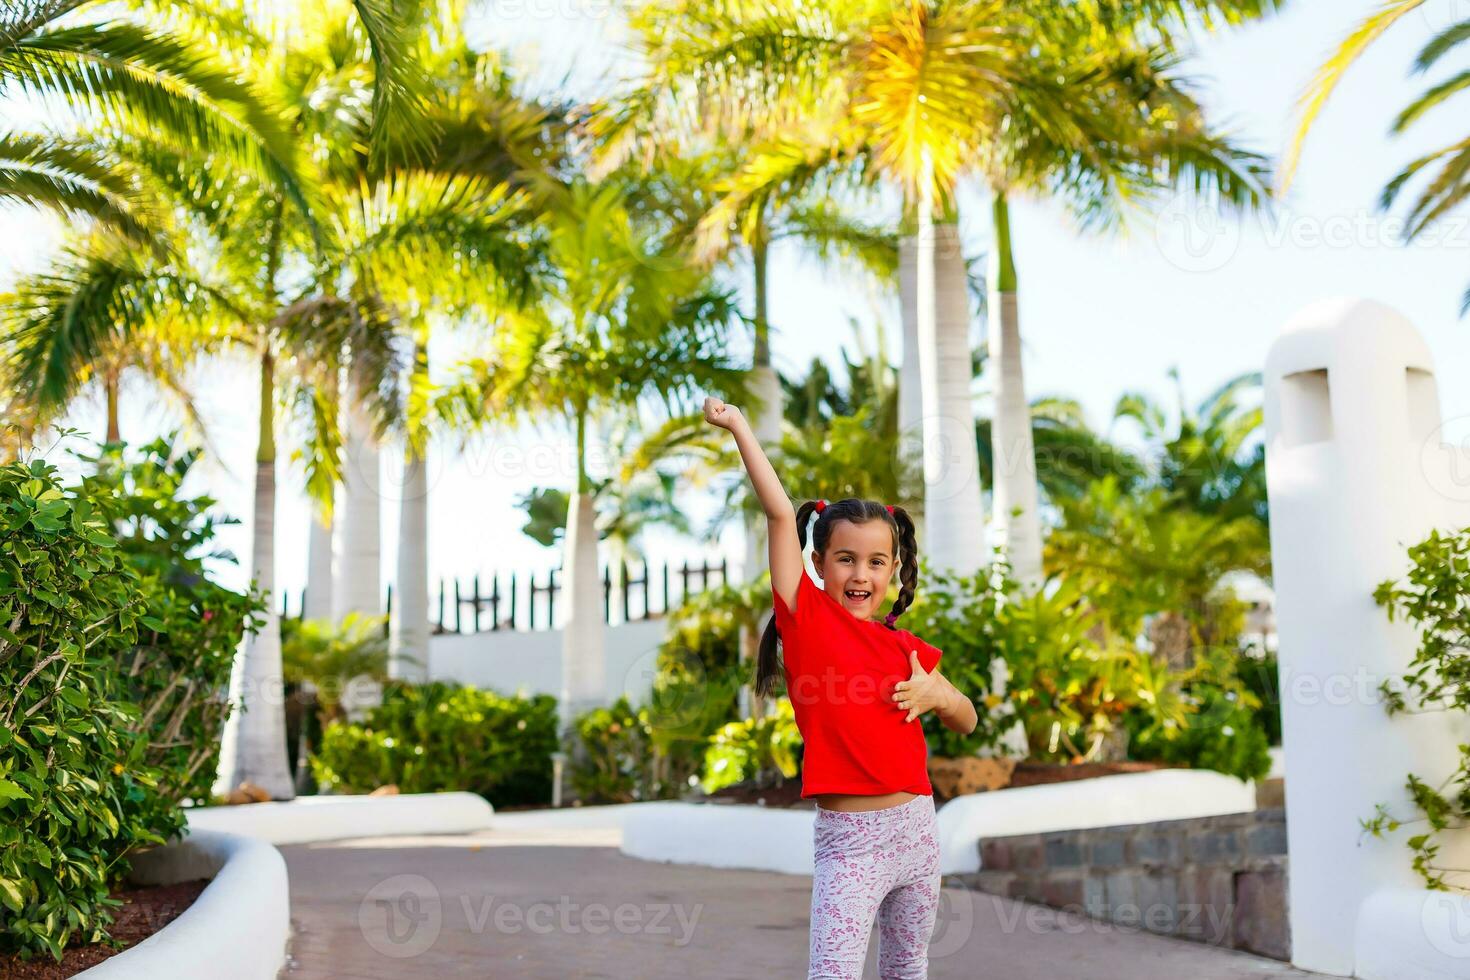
(857, 565)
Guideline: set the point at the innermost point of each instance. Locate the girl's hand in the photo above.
(921, 692)
(719, 414)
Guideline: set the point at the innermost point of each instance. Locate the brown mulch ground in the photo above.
(146, 910)
(788, 794)
(1036, 773)
(1026, 774)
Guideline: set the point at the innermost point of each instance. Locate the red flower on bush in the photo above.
(208, 615)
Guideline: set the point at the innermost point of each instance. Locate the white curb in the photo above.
(720, 835)
(1103, 801)
(235, 930)
(318, 818)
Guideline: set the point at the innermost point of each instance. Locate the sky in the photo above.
(1182, 287)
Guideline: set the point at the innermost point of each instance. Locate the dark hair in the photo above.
(857, 511)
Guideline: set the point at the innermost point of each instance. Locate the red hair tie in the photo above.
(821, 506)
(890, 508)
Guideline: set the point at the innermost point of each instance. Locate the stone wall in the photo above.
(1220, 880)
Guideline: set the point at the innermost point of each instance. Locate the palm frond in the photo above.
(1330, 73)
(831, 231)
(1435, 95)
(1441, 44)
(438, 231)
(77, 180)
(401, 123)
(140, 78)
(95, 296)
(19, 18)
(1445, 192)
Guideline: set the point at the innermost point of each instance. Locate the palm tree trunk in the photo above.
(359, 586)
(1016, 522)
(910, 394)
(253, 746)
(408, 649)
(954, 526)
(319, 558)
(318, 604)
(583, 674)
(114, 432)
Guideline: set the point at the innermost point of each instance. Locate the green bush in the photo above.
(178, 673)
(1223, 733)
(320, 659)
(435, 737)
(656, 750)
(69, 756)
(114, 652)
(616, 763)
(1262, 677)
(759, 749)
(1066, 687)
(1221, 728)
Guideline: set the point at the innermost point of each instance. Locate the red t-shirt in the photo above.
(840, 673)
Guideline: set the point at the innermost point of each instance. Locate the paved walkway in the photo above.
(551, 904)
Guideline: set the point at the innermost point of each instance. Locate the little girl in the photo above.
(856, 683)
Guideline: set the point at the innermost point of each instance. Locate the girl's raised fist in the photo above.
(718, 413)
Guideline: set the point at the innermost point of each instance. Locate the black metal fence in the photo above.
(479, 606)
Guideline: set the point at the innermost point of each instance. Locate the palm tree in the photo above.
(103, 267)
(1155, 542)
(905, 87)
(414, 247)
(926, 92)
(1145, 134)
(242, 302)
(799, 206)
(1445, 190)
(1147, 557)
(48, 344)
(1208, 454)
(487, 136)
(624, 315)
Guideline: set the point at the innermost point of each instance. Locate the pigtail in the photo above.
(908, 571)
(768, 666)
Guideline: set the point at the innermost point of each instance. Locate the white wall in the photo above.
(508, 661)
(1357, 471)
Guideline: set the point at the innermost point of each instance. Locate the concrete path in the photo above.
(555, 902)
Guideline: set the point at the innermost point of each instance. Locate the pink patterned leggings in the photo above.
(883, 862)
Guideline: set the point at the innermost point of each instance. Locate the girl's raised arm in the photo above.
(785, 546)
